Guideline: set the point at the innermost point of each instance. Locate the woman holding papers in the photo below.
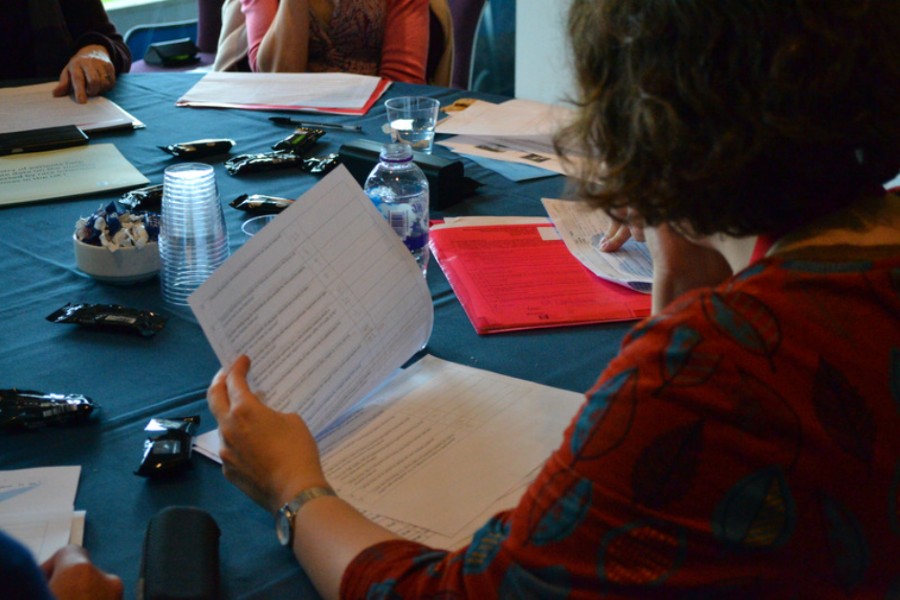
(370, 37)
(745, 440)
(69, 39)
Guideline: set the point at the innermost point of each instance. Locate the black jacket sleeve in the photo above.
(88, 24)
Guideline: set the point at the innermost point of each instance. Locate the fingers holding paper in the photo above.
(90, 72)
(70, 574)
(621, 230)
(270, 456)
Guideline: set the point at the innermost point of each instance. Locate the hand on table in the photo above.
(71, 574)
(681, 265)
(90, 72)
(270, 456)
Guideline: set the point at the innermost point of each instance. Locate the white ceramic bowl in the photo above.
(125, 265)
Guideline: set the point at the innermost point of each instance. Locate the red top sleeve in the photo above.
(404, 51)
(742, 444)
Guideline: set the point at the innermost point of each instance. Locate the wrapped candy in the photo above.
(199, 148)
(170, 452)
(145, 198)
(264, 161)
(29, 409)
(113, 317)
(300, 142)
(258, 204)
(267, 161)
(112, 229)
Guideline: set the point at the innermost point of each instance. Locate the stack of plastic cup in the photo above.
(193, 240)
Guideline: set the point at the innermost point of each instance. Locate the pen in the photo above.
(312, 125)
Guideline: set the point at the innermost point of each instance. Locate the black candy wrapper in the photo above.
(113, 317)
(199, 148)
(300, 142)
(170, 452)
(145, 198)
(258, 204)
(29, 409)
(268, 161)
(264, 161)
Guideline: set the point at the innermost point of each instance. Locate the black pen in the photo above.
(312, 125)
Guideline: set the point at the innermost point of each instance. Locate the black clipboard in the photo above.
(38, 140)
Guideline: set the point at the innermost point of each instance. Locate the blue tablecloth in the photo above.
(135, 379)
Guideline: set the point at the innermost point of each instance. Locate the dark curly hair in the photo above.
(734, 116)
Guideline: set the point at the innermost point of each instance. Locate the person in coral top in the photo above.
(745, 442)
(388, 38)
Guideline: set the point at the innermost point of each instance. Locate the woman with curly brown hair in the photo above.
(744, 443)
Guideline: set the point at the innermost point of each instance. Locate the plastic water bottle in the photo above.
(399, 189)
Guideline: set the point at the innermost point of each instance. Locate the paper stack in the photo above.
(333, 93)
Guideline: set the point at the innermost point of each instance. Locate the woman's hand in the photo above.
(681, 265)
(270, 456)
(620, 232)
(90, 72)
(71, 574)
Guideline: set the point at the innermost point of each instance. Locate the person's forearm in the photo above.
(285, 46)
(328, 535)
(405, 45)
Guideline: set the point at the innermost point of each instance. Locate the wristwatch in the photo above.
(284, 519)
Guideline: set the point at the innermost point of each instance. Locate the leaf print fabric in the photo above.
(745, 443)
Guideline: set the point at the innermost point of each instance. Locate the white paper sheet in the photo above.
(37, 176)
(439, 449)
(516, 118)
(282, 90)
(38, 490)
(447, 441)
(582, 229)
(35, 107)
(36, 508)
(523, 152)
(325, 300)
(42, 533)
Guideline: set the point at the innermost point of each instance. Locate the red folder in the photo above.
(512, 277)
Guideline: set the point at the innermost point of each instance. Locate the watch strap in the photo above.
(309, 494)
(288, 513)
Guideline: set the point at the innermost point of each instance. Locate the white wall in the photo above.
(542, 65)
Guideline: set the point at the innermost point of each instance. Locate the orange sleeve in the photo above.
(404, 51)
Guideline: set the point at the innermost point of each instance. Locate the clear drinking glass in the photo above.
(412, 120)
(193, 239)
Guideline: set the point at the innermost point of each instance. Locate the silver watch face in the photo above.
(283, 526)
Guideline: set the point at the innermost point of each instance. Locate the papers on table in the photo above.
(69, 172)
(522, 121)
(328, 303)
(514, 164)
(326, 300)
(522, 276)
(582, 229)
(36, 508)
(441, 447)
(34, 107)
(337, 93)
(518, 131)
